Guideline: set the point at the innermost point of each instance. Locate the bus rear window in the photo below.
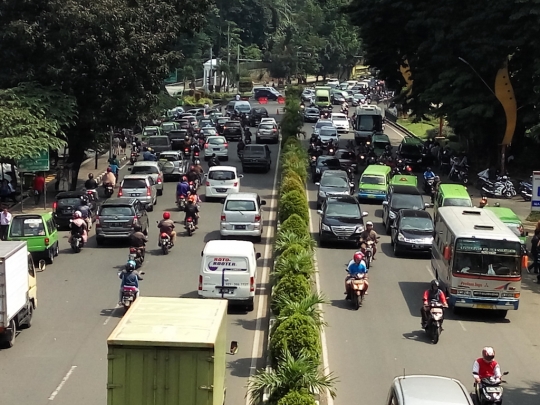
(457, 202)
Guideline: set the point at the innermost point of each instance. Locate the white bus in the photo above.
(477, 259)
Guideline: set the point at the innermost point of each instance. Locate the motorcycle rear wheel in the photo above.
(358, 301)
(164, 249)
(189, 231)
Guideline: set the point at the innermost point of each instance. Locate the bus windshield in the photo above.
(487, 257)
(368, 123)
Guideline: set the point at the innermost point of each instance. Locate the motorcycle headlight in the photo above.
(325, 227)
(392, 215)
(317, 170)
(322, 194)
(400, 237)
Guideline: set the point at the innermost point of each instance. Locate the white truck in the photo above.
(18, 290)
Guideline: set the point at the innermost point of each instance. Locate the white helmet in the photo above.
(77, 214)
(368, 223)
(488, 354)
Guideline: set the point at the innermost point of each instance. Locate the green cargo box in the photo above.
(168, 351)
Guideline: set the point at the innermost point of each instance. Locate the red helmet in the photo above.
(109, 170)
(192, 168)
(166, 215)
(358, 256)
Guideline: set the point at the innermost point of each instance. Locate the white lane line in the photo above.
(462, 326)
(111, 315)
(261, 298)
(430, 271)
(324, 344)
(64, 380)
(397, 132)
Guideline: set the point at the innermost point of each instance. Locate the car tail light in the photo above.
(159, 181)
(148, 191)
(97, 223)
(55, 205)
(226, 145)
(257, 218)
(235, 184)
(47, 240)
(251, 284)
(223, 217)
(274, 130)
(132, 250)
(207, 184)
(205, 146)
(200, 283)
(120, 193)
(190, 219)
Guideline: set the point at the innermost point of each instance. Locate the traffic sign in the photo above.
(35, 164)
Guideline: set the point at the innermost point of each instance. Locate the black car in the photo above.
(185, 125)
(118, 216)
(347, 159)
(255, 116)
(256, 157)
(177, 138)
(311, 114)
(233, 130)
(322, 164)
(399, 198)
(411, 153)
(412, 232)
(68, 202)
(258, 93)
(220, 124)
(341, 219)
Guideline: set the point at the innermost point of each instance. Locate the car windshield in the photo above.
(119, 211)
(346, 155)
(411, 201)
(69, 201)
(312, 111)
(144, 170)
(158, 141)
(240, 205)
(254, 151)
(266, 126)
(24, 226)
(328, 132)
(243, 107)
(338, 118)
(416, 224)
(169, 158)
(221, 175)
(322, 99)
(258, 111)
(134, 183)
(342, 210)
(487, 257)
(222, 120)
(233, 123)
(334, 181)
(410, 149)
(365, 123)
(168, 125)
(329, 162)
(206, 123)
(216, 141)
(457, 202)
(371, 179)
(209, 131)
(150, 131)
(321, 124)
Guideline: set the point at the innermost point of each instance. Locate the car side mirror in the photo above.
(319, 212)
(427, 205)
(263, 202)
(393, 226)
(257, 256)
(222, 200)
(240, 176)
(317, 184)
(526, 233)
(385, 203)
(365, 214)
(205, 175)
(201, 253)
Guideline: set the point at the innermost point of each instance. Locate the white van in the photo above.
(229, 271)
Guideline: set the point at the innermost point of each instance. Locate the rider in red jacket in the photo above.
(486, 366)
(433, 294)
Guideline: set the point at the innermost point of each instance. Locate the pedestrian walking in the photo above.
(5, 220)
(534, 252)
(38, 187)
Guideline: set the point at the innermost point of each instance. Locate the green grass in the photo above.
(417, 128)
(534, 216)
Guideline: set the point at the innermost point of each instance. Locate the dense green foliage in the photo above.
(454, 53)
(297, 398)
(293, 286)
(296, 224)
(291, 183)
(293, 202)
(299, 264)
(286, 239)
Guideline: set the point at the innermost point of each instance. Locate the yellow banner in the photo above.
(505, 94)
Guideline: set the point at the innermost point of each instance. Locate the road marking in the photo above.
(430, 271)
(395, 131)
(261, 298)
(64, 380)
(111, 315)
(324, 344)
(462, 326)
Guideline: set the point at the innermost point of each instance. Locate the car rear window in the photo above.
(116, 211)
(221, 175)
(217, 141)
(168, 125)
(240, 205)
(24, 226)
(233, 123)
(134, 183)
(254, 151)
(346, 155)
(266, 126)
(144, 170)
(158, 141)
(69, 201)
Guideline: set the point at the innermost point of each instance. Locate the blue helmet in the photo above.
(131, 265)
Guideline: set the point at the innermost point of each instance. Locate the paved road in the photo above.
(369, 347)
(62, 358)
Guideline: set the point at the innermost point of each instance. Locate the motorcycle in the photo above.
(460, 173)
(331, 151)
(502, 187)
(133, 157)
(190, 226)
(196, 155)
(165, 243)
(77, 242)
(367, 249)
(525, 189)
(181, 202)
(428, 185)
(357, 290)
(187, 152)
(434, 323)
(109, 190)
(135, 255)
(129, 295)
(489, 391)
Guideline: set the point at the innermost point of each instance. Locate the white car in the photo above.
(341, 122)
(321, 123)
(242, 216)
(222, 181)
(268, 121)
(333, 82)
(217, 145)
(329, 133)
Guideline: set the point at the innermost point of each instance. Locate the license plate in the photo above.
(416, 246)
(371, 196)
(135, 194)
(221, 190)
(215, 148)
(117, 224)
(226, 290)
(484, 306)
(239, 227)
(342, 238)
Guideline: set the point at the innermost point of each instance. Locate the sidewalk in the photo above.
(87, 167)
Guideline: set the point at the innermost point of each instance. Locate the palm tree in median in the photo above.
(292, 374)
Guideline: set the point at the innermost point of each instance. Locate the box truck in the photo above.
(169, 351)
(18, 290)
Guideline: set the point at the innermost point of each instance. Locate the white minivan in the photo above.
(221, 181)
(229, 271)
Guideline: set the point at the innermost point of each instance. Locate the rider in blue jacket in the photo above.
(182, 188)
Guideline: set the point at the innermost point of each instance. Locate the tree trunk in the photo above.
(76, 152)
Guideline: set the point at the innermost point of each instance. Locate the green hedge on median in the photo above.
(293, 202)
(292, 182)
(297, 398)
(293, 286)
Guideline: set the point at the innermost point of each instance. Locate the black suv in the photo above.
(258, 93)
(256, 114)
(233, 130)
(70, 201)
(117, 217)
(411, 152)
(341, 219)
(412, 232)
(256, 157)
(399, 198)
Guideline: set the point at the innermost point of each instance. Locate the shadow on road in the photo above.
(113, 312)
(413, 291)
(191, 294)
(417, 336)
(525, 396)
(248, 324)
(240, 367)
(214, 235)
(342, 304)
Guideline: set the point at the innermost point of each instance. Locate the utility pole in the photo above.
(229, 44)
(211, 69)
(238, 69)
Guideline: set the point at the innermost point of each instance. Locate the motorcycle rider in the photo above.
(314, 138)
(214, 161)
(435, 188)
(433, 294)
(182, 188)
(356, 266)
(130, 278)
(193, 176)
(240, 146)
(247, 135)
(109, 178)
(149, 156)
(198, 168)
(78, 227)
(369, 235)
(91, 183)
(138, 240)
(486, 366)
(428, 174)
(166, 225)
(483, 202)
(192, 211)
(86, 214)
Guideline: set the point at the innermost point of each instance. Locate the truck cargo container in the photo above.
(18, 290)
(168, 351)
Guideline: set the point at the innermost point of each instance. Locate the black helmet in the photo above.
(90, 176)
(435, 284)
(428, 169)
(137, 228)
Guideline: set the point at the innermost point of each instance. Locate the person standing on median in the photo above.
(5, 220)
(39, 187)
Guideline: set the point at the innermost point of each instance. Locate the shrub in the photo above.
(296, 165)
(290, 183)
(300, 264)
(192, 101)
(297, 398)
(294, 250)
(284, 239)
(293, 286)
(293, 202)
(296, 334)
(294, 153)
(295, 224)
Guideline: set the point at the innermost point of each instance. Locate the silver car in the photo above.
(329, 133)
(173, 165)
(242, 216)
(333, 182)
(217, 145)
(152, 169)
(321, 123)
(140, 186)
(267, 130)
